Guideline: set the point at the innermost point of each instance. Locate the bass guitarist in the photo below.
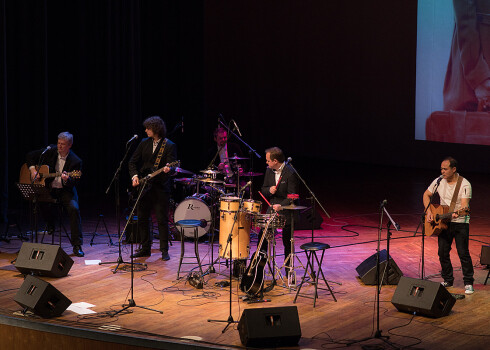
(455, 192)
(153, 153)
(62, 159)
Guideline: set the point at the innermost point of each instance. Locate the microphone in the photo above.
(383, 203)
(236, 127)
(46, 149)
(135, 137)
(439, 179)
(182, 124)
(245, 186)
(289, 160)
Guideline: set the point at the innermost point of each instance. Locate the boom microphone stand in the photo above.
(131, 302)
(115, 181)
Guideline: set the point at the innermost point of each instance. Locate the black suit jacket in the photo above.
(288, 185)
(73, 162)
(143, 159)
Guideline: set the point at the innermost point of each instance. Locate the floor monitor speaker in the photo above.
(426, 298)
(43, 259)
(367, 270)
(270, 327)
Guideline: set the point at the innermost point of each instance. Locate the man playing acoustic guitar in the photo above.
(455, 194)
(60, 158)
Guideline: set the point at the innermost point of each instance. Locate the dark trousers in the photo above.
(69, 201)
(158, 200)
(460, 232)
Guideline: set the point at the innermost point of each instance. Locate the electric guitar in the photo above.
(441, 216)
(43, 171)
(145, 182)
(253, 277)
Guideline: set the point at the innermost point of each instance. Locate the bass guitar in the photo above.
(253, 277)
(43, 170)
(441, 216)
(145, 182)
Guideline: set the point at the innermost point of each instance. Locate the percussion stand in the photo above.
(230, 319)
(214, 202)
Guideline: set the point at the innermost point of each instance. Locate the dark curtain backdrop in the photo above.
(324, 80)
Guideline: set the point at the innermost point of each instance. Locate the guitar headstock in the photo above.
(76, 174)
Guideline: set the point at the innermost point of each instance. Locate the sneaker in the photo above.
(468, 289)
(446, 284)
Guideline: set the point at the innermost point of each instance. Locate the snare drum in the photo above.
(193, 208)
(229, 204)
(261, 221)
(252, 207)
(240, 238)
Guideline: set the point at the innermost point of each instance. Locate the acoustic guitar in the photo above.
(441, 216)
(25, 174)
(253, 277)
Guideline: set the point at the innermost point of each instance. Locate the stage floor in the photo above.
(351, 232)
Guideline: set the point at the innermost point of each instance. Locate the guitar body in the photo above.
(441, 216)
(253, 277)
(439, 224)
(25, 174)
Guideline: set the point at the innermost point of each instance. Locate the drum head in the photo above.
(193, 208)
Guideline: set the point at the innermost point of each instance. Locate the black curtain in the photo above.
(97, 69)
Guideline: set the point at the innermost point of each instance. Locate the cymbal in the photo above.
(210, 171)
(183, 171)
(293, 207)
(251, 173)
(237, 158)
(211, 181)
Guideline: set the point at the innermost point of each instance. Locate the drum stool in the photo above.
(311, 249)
(182, 224)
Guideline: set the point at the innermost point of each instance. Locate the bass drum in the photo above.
(193, 208)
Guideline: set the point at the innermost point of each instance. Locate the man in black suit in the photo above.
(60, 158)
(153, 153)
(279, 181)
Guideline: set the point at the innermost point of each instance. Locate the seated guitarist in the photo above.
(153, 153)
(458, 227)
(61, 159)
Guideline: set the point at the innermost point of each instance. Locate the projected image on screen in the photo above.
(453, 71)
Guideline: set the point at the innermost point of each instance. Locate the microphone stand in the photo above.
(131, 302)
(422, 223)
(115, 181)
(311, 193)
(229, 243)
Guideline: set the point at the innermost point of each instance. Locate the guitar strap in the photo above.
(159, 156)
(455, 194)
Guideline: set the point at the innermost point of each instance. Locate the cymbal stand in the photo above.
(291, 258)
(131, 302)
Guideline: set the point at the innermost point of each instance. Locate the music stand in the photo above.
(35, 193)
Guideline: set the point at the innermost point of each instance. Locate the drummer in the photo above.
(221, 154)
(279, 181)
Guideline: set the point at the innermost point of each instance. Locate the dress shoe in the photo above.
(165, 256)
(141, 253)
(77, 250)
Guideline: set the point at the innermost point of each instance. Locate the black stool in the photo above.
(310, 249)
(183, 224)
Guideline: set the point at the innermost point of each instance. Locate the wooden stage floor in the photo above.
(351, 232)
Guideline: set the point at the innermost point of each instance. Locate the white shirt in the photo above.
(446, 190)
(278, 172)
(60, 164)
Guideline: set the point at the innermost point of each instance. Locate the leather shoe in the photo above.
(77, 250)
(165, 256)
(141, 253)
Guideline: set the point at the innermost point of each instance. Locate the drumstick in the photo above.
(264, 198)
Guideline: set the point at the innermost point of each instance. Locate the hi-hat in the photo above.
(211, 181)
(293, 207)
(251, 173)
(210, 171)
